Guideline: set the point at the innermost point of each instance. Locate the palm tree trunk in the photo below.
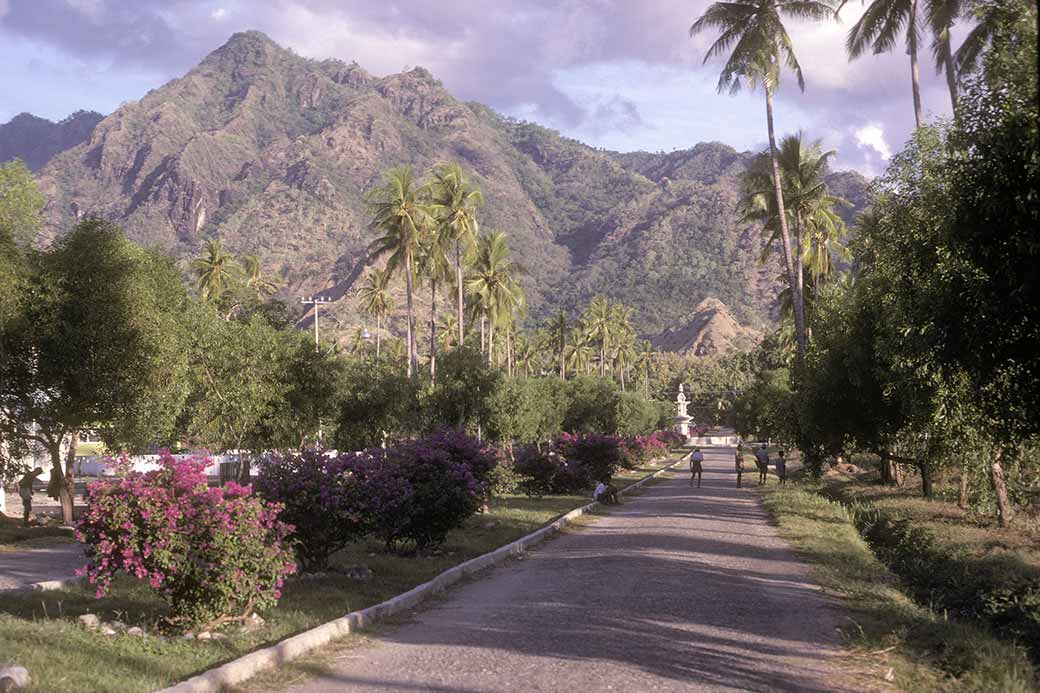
(996, 480)
(563, 363)
(379, 325)
(622, 378)
(491, 341)
(458, 281)
(483, 348)
(799, 263)
(785, 236)
(433, 328)
(411, 321)
(602, 358)
(915, 76)
(951, 75)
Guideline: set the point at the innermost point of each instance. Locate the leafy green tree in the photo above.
(378, 403)
(755, 30)
(461, 397)
(400, 214)
(454, 202)
(99, 345)
(376, 299)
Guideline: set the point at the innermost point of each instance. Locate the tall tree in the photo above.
(598, 324)
(376, 300)
(761, 46)
(433, 264)
(493, 283)
(216, 272)
(260, 285)
(557, 327)
(454, 203)
(879, 29)
(400, 214)
(98, 345)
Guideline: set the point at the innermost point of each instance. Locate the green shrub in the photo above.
(634, 416)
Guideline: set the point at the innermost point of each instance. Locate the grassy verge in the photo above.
(39, 631)
(15, 537)
(919, 649)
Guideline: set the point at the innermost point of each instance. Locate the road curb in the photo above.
(238, 670)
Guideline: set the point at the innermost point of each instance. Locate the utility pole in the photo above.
(317, 302)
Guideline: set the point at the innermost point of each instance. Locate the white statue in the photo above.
(682, 419)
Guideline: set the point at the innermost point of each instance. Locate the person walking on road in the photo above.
(25, 490)
(781, 466)
(739, 460)
(762, 461)
(696, 466)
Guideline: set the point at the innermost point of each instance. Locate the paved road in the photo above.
(22, 568)
(679, 589)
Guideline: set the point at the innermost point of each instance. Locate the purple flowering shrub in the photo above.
(600, 456)
(547, 473)
(441, 492)
(215, 554)
(324, 501)
(637, 450)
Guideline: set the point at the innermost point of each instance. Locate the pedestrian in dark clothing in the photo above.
(739, 460)
(25, 490)
(781, 466)
(696, 466)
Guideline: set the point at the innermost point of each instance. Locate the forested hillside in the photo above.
(272, 153)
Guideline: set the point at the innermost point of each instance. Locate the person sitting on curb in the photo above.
(25, 490)
(696, 466)
(606, 493)
(781, 466)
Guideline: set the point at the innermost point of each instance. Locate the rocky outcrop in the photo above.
(709, 330)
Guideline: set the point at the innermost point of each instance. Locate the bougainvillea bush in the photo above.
(215, 554)
(324, 501)
(441, 492)
(600, 456)
(547, 473)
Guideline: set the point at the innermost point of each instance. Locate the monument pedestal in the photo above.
(682, 419)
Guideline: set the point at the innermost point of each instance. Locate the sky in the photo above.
(617, 74)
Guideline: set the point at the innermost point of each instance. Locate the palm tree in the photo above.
(215, 271)
(376, 299)
(557, 328)
(399, 213)
(258, 282)
(493, 285)
(879, 28)
(941, 17)
(454, 203)
(579, 352)
(598, 324)
(643, 364)
(434, 265)
(755, 30)
(810, 209)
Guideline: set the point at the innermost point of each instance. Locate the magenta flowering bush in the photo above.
(323, 499)
(441, 491)
(215, 554)
(548, 473)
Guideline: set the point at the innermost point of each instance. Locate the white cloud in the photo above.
(218, 14)
(873, 136)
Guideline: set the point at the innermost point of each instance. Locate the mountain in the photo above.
(37, 140)
(273, 153)
(711, 329)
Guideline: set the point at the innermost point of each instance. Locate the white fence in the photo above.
(104, 466)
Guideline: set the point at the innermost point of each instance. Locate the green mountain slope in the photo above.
(273, 152)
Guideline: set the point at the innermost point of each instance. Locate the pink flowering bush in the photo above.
(215, 554)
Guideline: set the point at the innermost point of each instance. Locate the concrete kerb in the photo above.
(238, 670)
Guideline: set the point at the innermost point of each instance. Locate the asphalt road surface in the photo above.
(679, 589)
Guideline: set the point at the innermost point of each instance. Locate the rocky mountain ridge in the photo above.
(273, 153)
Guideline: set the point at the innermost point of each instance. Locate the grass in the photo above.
(39, 631)
(16, 537)
(888, 632)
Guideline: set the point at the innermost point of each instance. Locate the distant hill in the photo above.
(710, 329)
(37, 140)
(273, 152)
